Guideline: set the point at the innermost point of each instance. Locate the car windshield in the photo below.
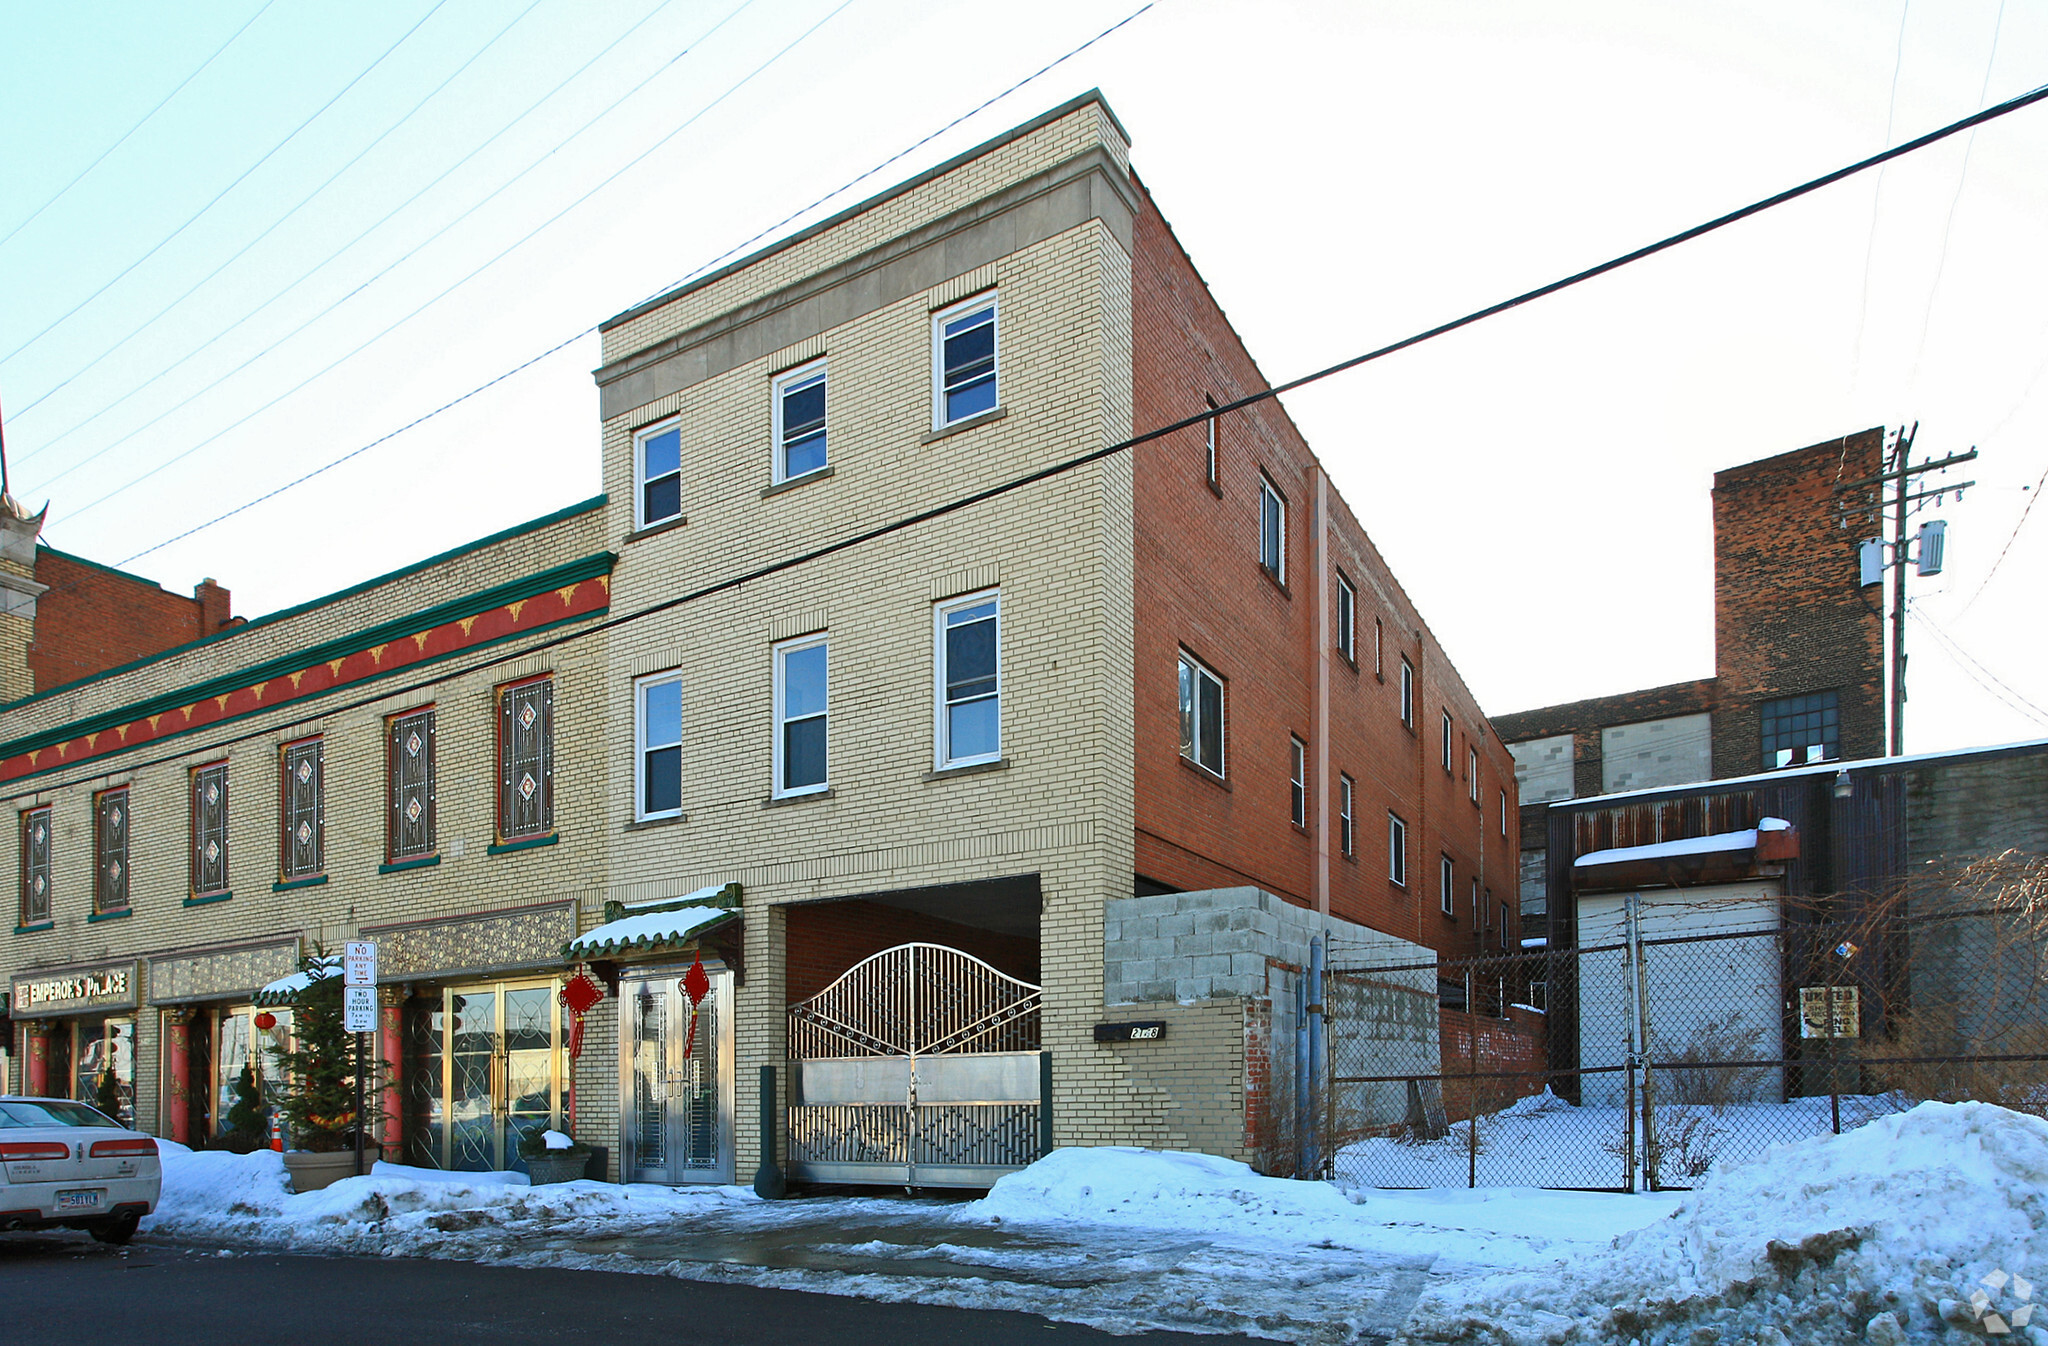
(50, 1112)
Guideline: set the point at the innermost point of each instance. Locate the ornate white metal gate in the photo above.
(919, 1066)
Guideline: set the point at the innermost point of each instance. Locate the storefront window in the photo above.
(100, 1047)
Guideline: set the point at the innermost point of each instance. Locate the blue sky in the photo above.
(1342, 174)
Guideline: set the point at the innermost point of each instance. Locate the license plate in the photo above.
(83, 1199)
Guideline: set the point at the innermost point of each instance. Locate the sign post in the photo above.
(359, 1014)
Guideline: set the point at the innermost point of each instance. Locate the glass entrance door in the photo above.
(676, 1113)
(483, 1069)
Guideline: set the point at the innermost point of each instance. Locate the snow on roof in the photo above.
(1536, 942)
(1745, 840)
(1811, 769)
(679, 919)
(281, 991)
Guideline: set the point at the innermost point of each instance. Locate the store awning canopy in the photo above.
(281, 991)
(661, 926)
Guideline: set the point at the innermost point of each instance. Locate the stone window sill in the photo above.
(791, 483)
(651, 529)
(647, 824)
(994, 414)
(1220, 782)
(410, 862)
(784, 801)
(971, 769)
(287, 885)
(521, 844)
(122, 914)
(206, 899)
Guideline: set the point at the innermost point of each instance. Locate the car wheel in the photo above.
(117, 1230)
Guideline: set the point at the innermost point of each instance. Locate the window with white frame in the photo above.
(799, 398)
(658, 470)
(1447, 875)
(1472, 773)
(1347, 618)
(1503, 812)
(969, 694)
(1379, 649)
(1201, 715)
(1347, 831)
(1478, 911)
(800, 724)
(1397, 849)
(1297, 782)
(659, 734)
(1407, 692)
(964, 361)
(1448, 733)
(1272, 530)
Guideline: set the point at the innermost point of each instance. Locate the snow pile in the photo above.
(1881, 1234)
(1162, 1189)
(396, 1210)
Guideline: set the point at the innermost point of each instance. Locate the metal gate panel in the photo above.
(920, 1066)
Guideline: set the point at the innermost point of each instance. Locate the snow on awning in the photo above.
(1536, 942)
(1745, 840)
(281, 991)
(670, 923)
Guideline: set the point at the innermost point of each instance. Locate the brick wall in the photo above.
(1789, 616)
(94, 618)
(1478, 1044)
(1200, 589)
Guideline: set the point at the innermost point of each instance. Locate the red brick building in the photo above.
(1798, 656)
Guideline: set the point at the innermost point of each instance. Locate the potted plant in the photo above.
(553, 1157)
(319, 1098)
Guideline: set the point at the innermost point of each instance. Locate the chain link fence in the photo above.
(1683, 1034)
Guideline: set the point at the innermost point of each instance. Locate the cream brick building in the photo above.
(946, 770)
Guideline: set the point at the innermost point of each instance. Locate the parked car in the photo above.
(64, 1165)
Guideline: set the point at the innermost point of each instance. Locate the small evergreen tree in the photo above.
(247, 1118)
(319, 1099)
(107, 1097)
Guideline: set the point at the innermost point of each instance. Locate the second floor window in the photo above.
(409, 770)
(800, 422)
(1447, 874)
(1397, 849)
(1800, 729)
(1201, 716)
(660, 731)
(302, 850)
(800, 716)
(526, 760)
(969, 708)
(1297, 782)
(35, 866)
(964, 353)
(1407, 692)
(110, 825)
(658, 473)
(1272, 531)
(1472, 773)
(210, 829)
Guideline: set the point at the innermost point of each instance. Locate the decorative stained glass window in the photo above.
(210, 829)
(1800, 729)
(302, 851)
(526, 760)
(110, 850)
(35, 866)
(409, 768)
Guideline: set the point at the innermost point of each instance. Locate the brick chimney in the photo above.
(213, 606)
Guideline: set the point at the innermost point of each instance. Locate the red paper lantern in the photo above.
(266, 1021)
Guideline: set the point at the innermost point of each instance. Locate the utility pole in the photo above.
(1898, 474)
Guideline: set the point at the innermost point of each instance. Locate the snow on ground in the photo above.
(1813, 1242)
(1545, 1140)
(1881, 1234)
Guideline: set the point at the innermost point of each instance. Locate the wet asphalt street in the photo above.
(66, 1289)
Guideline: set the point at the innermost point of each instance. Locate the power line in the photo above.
(535, 359)
(2029, 509)
(274, 225)
(84, 172)
(2011, 105)
(320, 265)
(965, 502)
(239, 178)
(523, 239)
(1972, 666)
(1877, 200)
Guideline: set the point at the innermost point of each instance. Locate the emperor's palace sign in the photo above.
(90, 988)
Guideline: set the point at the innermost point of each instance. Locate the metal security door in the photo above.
(919, 1066)
(676, 1108)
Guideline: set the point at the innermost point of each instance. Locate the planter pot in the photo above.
(558, 1166)
(312, 1171)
